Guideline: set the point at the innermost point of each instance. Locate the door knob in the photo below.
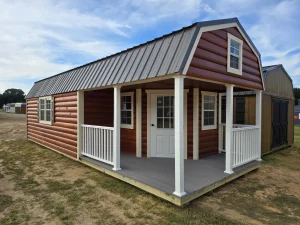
(152, 125)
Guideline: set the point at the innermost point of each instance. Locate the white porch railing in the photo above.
(97, 143)
(245, 143)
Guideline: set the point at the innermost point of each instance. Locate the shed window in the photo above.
(127, 110)
(209, 110)
(235, 55)
(45, 109)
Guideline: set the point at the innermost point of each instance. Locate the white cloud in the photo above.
(41, 38)
(45, 37)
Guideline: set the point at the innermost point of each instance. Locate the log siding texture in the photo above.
(210, 60)
(99, 110)
(62, 134)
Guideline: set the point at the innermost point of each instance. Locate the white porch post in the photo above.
(179, 136)
(116, 136)
(258, 121)
(229, 124)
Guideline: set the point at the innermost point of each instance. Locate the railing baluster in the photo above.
(97, 142)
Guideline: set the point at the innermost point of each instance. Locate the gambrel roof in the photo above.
(168, 54)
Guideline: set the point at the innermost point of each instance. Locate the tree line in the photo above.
(12, 95)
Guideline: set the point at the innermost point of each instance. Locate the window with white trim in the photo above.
(127, 110)
(209, 110)
(45, 109)
(234, 55)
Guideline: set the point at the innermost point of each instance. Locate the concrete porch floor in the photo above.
(157, 175)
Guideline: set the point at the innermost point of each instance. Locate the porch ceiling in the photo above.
(188, 83)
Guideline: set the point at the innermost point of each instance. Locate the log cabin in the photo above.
(150, 115)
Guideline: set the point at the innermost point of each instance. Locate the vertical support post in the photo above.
(179, 136)
(80, 121)
(229, 124)
(258, 121)
(138, 122)
(196, 123)
(116, 136)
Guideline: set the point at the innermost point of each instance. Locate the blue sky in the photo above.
(41, 38)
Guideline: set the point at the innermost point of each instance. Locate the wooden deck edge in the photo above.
(161, 194)
(196, 194)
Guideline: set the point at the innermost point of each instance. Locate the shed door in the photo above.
(280, 123)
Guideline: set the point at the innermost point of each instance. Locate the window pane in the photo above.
(166, 100)
(123, 120)
(159, 123)
(42, 104)
(129, 121)
(128, 105)
(123, 114)
(172, 100)
(42, 114)
(47, 115)
(234, 62)
(128, 114)
(166, 123)
(159, 101)
(167, 112)
(236, 52)
(128, 98)
(172, 122)
(159, 112)
(206, 122)
(48, 104)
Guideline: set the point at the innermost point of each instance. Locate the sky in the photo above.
(40, 38)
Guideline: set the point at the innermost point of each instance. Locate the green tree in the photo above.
(12, 95)
(296, 95)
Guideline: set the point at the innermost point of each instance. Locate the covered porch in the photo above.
(156, 175)
(187, 174)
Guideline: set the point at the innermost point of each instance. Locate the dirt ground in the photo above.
(39, 186)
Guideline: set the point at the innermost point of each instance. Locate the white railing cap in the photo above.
(99, 127)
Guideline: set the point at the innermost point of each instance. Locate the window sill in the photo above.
(127, 126)
(234, 71)
(45, 122)
(213, 127)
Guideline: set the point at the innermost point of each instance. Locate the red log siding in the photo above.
(62, 134)
(99, 110)
(144, 123)
(190, 107)
(210, 60)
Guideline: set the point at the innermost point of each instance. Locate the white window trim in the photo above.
(51, 109)
(208, 127)
(129, 126)
(230, 69)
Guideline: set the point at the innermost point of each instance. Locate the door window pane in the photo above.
(165, 112)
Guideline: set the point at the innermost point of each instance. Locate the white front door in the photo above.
(162, 125)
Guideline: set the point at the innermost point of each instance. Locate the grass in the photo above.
(40, 186)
